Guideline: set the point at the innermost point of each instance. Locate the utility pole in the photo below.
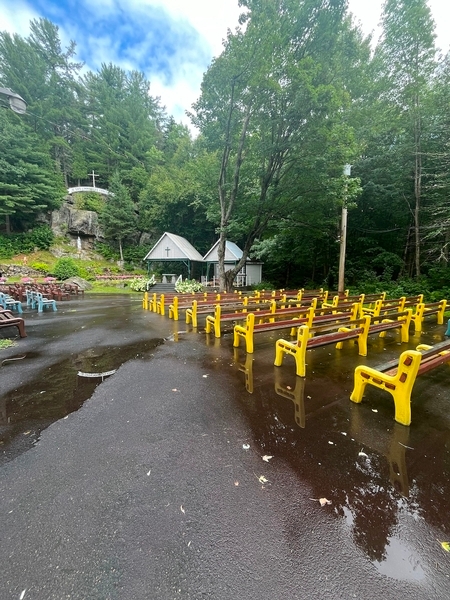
(343, 236)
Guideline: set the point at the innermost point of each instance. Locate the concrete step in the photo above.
(162, 288)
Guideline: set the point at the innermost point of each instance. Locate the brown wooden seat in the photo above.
(7, 319)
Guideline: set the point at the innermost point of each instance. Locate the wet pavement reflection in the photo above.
(388, 484)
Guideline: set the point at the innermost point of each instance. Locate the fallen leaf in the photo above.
(374, 410)
(236, 483)
(308, 397)
(246, 446)
(262, 479)
(174, 390)
(446, 546)
(324, 501)
(363, 454)
(182, 510)
(332, 443)
(288, 387)
(148, 474)
(266, 458)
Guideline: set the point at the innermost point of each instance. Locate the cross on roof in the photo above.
(167, 250)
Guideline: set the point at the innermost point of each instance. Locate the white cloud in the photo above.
(15, 17)
(211, 18)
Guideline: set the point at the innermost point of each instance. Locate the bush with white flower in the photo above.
(142, 284)
(188, 286)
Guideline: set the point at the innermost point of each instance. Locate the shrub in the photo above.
(40, 266)
(188, 286)
(40, 237)
(142, 284)
(263, 285)
(89, 201)
(65, 268)
(23, 243)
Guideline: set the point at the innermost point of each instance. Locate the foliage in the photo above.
(118, 217)
(263, 285)
(142, 284)
(24, 243)
(6, 343)
(188, 286)
(40, 266)
(65, 268)
(89, 201)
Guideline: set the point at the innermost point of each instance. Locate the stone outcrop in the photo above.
(69, 220)
(80, 282)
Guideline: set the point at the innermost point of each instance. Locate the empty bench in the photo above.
(214, 322)
(7, 319)
(398, 376)
(430, 308)
(250, 328)
(322, 335)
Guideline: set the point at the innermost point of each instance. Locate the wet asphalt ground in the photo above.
(151, 484)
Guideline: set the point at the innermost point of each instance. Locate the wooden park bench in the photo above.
(322, 335)
(339, 299)
(251, 327)
(381, 306)
(392, 320)
(7, 319)
(398, 376)
(242, 305)
(215, 321)
(430, 308)
(340, 333)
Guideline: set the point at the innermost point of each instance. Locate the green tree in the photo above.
(118, 217)
(405, 61)
(46, 76)
(267, 102)
(28, 181)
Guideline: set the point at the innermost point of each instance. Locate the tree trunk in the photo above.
(120, 250)
(7, 224)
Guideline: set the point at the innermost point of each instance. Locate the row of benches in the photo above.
(226, 308)
(316, 323)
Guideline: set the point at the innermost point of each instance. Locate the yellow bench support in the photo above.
(398, 384)
(398, 379)
(437, 308)
(304, 341)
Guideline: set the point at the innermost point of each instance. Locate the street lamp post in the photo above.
(16, 102)
(343, 236)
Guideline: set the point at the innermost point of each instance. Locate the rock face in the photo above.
(80, 282)
(69, 220)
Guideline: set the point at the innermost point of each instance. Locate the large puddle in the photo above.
(57, 391)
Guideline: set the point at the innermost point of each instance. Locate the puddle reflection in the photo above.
(376, 472)
(57, 391)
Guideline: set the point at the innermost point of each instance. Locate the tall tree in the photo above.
(46, 75)
(267, 98)
(28, 181)
(118, 217)
(405, 58)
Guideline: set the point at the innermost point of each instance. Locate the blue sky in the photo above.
(171, 41)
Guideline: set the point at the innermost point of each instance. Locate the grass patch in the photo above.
(6, 344)
(99, 287)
